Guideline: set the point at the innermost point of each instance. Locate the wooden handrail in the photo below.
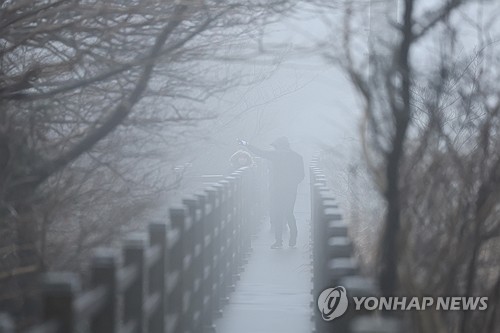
(174, 280)
(335, 263)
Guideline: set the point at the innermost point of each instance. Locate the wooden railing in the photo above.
(335, 263)
(174, 278)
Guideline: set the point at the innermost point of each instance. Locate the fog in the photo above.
(301, 96)
(368, 166)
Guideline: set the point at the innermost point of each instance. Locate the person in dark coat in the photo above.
(286, 173)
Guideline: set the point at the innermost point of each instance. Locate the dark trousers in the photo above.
(282, 205)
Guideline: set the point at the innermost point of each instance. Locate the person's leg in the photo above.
(277, 224)
(290, 218)
(278, 221)
(292, 224)
(278, 230)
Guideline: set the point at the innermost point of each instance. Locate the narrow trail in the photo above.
(274, 292)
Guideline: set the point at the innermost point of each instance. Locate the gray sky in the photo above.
(305, 98)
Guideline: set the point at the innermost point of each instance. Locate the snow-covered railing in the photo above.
(335, 265)
(175, 278)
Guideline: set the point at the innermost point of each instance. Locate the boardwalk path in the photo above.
(273, 295)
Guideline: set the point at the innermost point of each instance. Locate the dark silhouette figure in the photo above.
(286, 173)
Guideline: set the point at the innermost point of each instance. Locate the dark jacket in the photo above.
(286, 171)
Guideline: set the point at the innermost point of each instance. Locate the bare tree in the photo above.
(88, 90)
(431, 107)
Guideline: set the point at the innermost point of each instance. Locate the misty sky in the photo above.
(305, 97)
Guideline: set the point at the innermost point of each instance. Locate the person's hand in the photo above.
(242, 142)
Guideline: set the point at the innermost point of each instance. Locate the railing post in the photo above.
(158, 276)
(103, 273)
(226, 239)
(320, 237)
(177, 302)
(207, 205)
(197, 240)
(133, 303)
(188, 248)
(215, 201)
(239, 218)
(59, 290)
(233, 233)
(223, 221)
(249, 201)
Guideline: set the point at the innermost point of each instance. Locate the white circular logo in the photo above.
(332, 303)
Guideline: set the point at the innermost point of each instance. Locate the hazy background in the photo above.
(300, 96)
